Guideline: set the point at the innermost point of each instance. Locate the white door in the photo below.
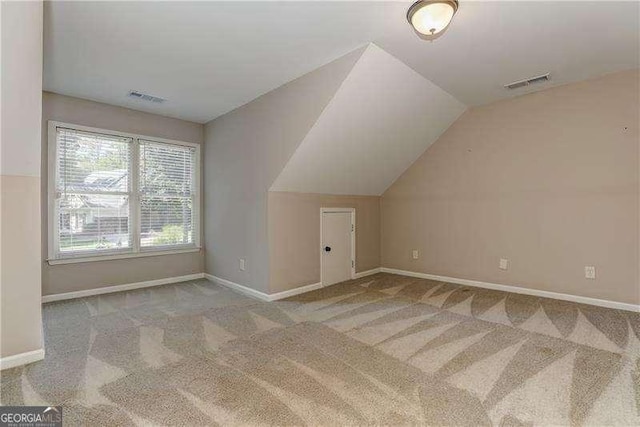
(336, 247)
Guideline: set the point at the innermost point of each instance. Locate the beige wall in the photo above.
(245, 151)
(20, 279)
(294, 235)
(81, 276)
(547, 180)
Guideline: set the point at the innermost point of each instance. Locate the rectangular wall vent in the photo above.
(526, 82)
(146, 97)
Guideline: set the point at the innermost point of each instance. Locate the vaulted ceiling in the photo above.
(381, 118)
(207, 58)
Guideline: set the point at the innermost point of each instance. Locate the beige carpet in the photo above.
(385, 350)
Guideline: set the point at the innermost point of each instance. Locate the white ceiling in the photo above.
(207, 58)
(383, 116)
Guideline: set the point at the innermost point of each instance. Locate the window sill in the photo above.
(147, 253)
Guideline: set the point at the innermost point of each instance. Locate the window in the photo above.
(115, 194)
(93, 191)
(166, 194)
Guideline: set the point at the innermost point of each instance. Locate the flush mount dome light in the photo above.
(429, 17)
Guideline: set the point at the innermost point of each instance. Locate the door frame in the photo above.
(352, 211)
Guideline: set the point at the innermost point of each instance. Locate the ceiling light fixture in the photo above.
(430, 17)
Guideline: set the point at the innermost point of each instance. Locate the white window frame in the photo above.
(56, 257)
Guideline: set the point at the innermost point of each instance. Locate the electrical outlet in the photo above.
(415, 254)
(589, 272)
(241, 264)
(504, 264)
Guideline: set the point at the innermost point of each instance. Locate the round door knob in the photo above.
(327, 249)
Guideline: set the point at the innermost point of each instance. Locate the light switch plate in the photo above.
(504, 264)
(415, 254)
(241, 262)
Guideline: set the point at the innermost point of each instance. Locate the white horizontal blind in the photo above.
(167, 194)
(93, 189)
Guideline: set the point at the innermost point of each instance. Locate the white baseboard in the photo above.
(261, 295)
(236, 287)
(295, 291)
(21, 359)
(119, 288)
(519, 290)
(367, 273)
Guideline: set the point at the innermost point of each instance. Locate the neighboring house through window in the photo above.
(118, 194)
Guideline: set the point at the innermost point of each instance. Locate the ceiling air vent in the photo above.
(526, 82)
(146, 97)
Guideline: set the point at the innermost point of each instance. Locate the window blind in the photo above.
(167, 191)
(120, 193)
(93, 190)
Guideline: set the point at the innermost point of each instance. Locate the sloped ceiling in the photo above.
(383, 116)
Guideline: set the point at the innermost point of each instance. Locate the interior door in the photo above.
(336, 247)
